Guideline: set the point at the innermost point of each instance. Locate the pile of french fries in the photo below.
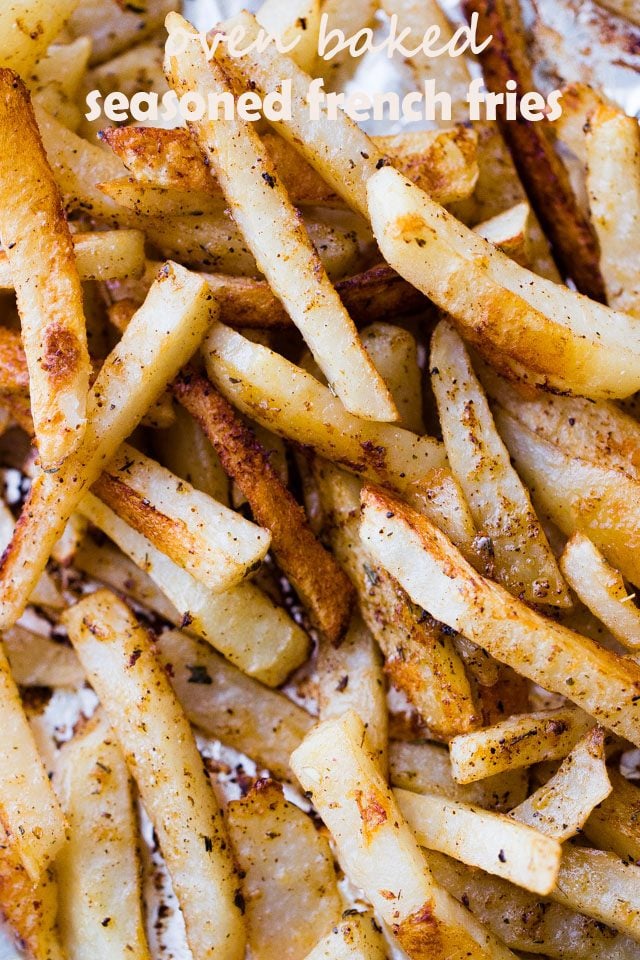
(321, 506)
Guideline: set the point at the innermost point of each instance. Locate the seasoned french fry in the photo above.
(27, 27)
(100, 907)
(499, 502)
(602, 885)
(114, 26)
(297, 26)
(161, 754)
(436, 576)
(39, 249)
(377, 848)
(395, 354)
(510, 232)
(45, 593)
(356, 938)
(108, 255)
(289, 881)
(615, 823)
(30, 909)
(164, 333)
(483, 838)
(185, 450)
(38, 661)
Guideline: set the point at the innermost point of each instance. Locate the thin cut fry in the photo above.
(108, 255)
(395, 354)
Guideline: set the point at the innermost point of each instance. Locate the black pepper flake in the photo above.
(135, 656)
(269, 179)
(199, 674)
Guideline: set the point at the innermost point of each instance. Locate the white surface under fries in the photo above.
(569, 35)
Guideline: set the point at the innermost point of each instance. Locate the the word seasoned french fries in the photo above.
(108, 255)
(289, 882)
(162, 336)
(541, 331)
(98, 871)
(482, 838)
(499, 502)
(39, 248)
(436, 576)
(378, 850)
(161, 754)
(261, 207)
(322, 586)
(357, 938)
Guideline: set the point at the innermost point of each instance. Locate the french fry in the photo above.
(540, 331)
(164, 333)
(602, 589)
(100, 911)
(426, 768)
(155, 738)
(349, 18)
(510, 232)
(289, 881)
(395, 353)
(356, 938)
(541, 170)
(261, 207)
(499, 502)
(377, 848)
(615, 823)
(27, 27)
(184, 449)
(56, 78)
(39, 249)
(322, 586)
(45, 592)
(243, 623)
(482, 838)
(435, 575)
(114, 27)
(38, 661)
(30, 909)
(229, 706)
(296, 25)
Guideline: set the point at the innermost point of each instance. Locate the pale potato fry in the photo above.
(289, 882)
(29, 909)
(45, 593)
(56, 78)
(154, 200)
(615, 823)
(613, 185)
(32, 822)
(542, 331)
(229, 706)
(435, 575)
(562, 806)
(162, 336)
(263, 211)
(394, 352)
(114, 26)
(602, 885)
(483, 838)
(162, 756)
(100, 905)
(243, 623)
(27, 27)
(38, 661)
(426, 768)
(499, 502)
(377, 849)
(357, 938)
(297, 25)
(509, 231)
(602, 589)
(185, 450)
(39, 248)
(516, 742)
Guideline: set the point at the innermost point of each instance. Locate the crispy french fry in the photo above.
(155, 738)
(108, 255)
(98, 871)
(615, 823)
(185, 450)
(483, 838)
(436, 576)
(395, 354)
(45, 592)
(30, 909)
(164, 333)
(357, 938)
(602, 885)
(27, 27)
(39, 249)
(38, 661)
(377, 848)
(114, 26)
(289, 881)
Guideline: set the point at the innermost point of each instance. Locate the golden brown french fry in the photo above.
(161, 338)
(289, 881)
(357, 938)
(39, 248)
(27, 27)
(100, 897)
(105, 255)
(435, 576)
(162, 756)
(509, 231)
(45, 593)
(615, 823)
(30, 909)
(377, 848)
(114, 26)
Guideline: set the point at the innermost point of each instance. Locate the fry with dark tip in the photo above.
(322, 586)
(541, 170)
(40, 250)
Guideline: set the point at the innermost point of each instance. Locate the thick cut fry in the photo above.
(377, 848)
(483, 838)
(38, 661)
(27, 27)
(160, 339)
(541, 169)
(601, 885)
(615, 823)
(613, 184)
(499, 502)
(289, 881)
(243, 623)
(214, 544)
(39, 248)
(321, 584)
(357, 938)
(395, 354)
(32, 823)
(601, 589)
(426, 768)
(562, 806)
(30, 909)
(98, 872)
(231, 707)
(536, 329)
(435, 575)
(261, 207)
(185, 450)
(108, 255)
(162, 756)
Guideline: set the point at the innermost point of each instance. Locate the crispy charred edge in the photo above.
(544, 176)
(14, 375)
(322, 585)
(419, 934)
(22, 908)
